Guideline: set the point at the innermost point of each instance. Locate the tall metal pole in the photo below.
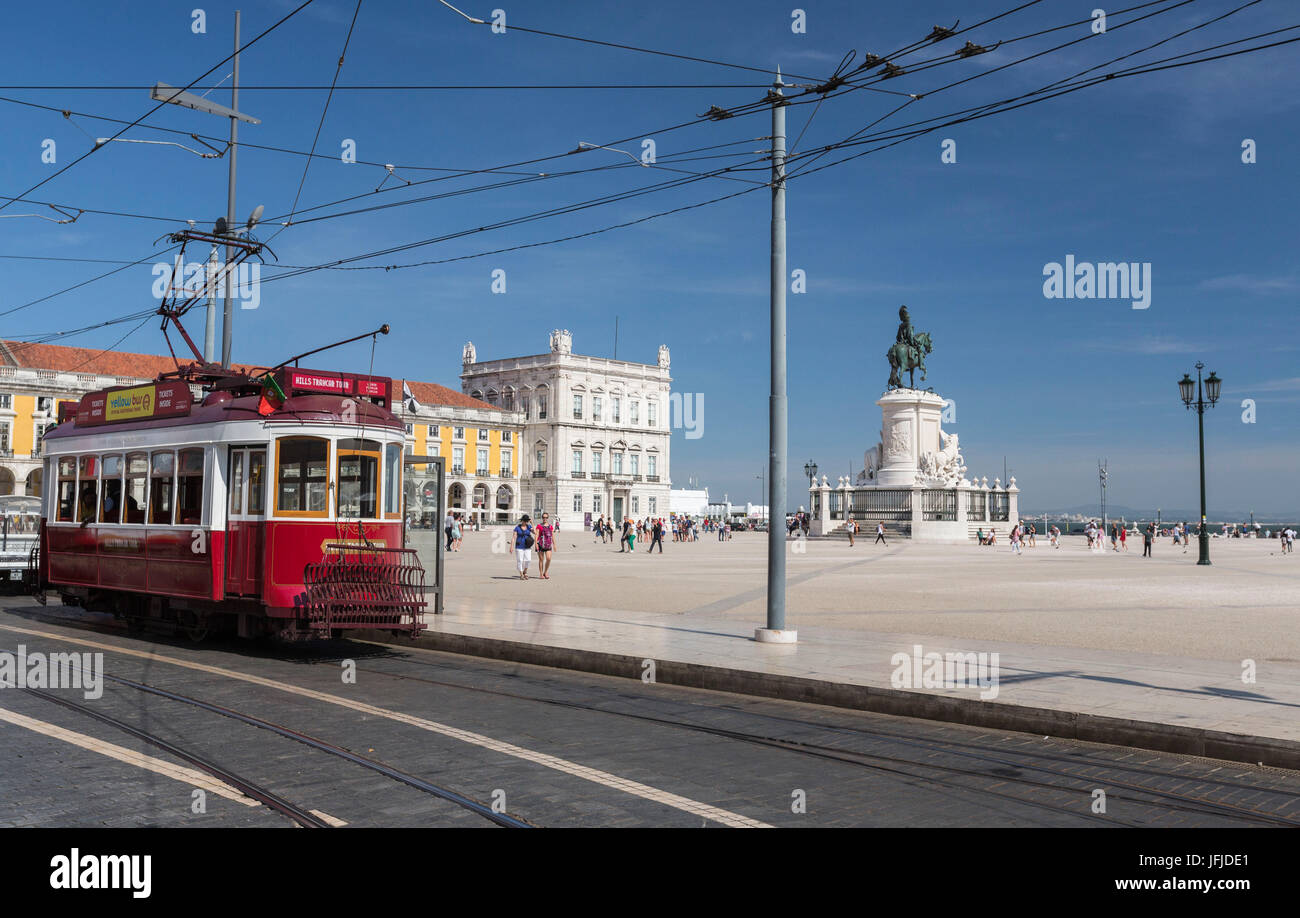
(776, 630)
(228, 317)
(210, 327)
(1200, 428)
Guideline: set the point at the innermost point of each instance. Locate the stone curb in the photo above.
(1118, 731)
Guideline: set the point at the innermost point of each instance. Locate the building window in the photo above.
(617, 460)
(525, 405)
(651, 501)
(483, 434)
(614, 403)
(505, 463)
(635, 505)
(652, 413)
(44, 403)
(541, 407)
(577, 407)
(4, 439)
(6, 400)
(597, 407)
(508, 400)
(482, 460)
(633, 410)
(577, 503)
(410, 430)
(541, 461)
(538, 502)
(458, 433)
(597, 463)
(636, 464)
(652, 462)
(577, 461)
(505, 436)
(595, 503)
(458, 461)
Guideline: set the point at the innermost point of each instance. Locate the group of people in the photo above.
(453, 528)
(540, 538)
(852, 528)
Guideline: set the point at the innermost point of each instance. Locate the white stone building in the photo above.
(596, 431)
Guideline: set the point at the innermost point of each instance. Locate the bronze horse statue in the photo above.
(910, 358)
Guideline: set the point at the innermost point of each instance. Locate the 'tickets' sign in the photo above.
(137, 403)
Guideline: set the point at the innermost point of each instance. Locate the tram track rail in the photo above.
(299, 815)
(1163, 799)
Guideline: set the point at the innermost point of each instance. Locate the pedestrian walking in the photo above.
(1032, 533)
(524, 546)
(657, 536)
(448, 525)
(1123, 538)
(852, 527)
(545, 546)
(1148, 536)
(1015, 540)
(1056, 537)
(457, 532)
(880, 533)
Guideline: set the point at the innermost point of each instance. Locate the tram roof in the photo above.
(219, 408)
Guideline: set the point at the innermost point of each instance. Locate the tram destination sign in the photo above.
(293, 379)
(135, 403)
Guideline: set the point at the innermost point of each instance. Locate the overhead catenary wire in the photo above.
(95, 149)
(891, 139)
(321, 123)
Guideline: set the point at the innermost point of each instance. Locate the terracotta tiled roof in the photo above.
(427, 393)
(66, 359)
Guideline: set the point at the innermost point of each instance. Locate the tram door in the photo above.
(246, 529)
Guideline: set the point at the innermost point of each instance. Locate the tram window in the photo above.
(256, 481)
(189, 488)
(302, 476)
(67, 489)
(88, 468)
(358, 478)
(110, 497)
(236, 481)
(393, 479)
(137, 487)
(162, 472)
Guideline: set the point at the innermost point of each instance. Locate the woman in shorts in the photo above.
(545, 546)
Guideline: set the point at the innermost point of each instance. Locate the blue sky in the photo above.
(1146, 170)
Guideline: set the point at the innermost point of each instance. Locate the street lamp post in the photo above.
(1201, 391)
(810, 469)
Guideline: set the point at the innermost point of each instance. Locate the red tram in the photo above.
(263, 506)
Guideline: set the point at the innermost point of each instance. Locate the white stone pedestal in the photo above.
(909, 429)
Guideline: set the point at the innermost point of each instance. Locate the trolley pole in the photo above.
(776, 632)
(228, 317)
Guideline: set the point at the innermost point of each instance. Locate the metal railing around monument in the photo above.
(938, 504)
(885, 504)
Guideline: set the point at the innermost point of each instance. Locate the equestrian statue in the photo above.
(907, 353)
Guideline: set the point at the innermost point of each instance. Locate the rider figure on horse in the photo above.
(905, 334)
(908, 352)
